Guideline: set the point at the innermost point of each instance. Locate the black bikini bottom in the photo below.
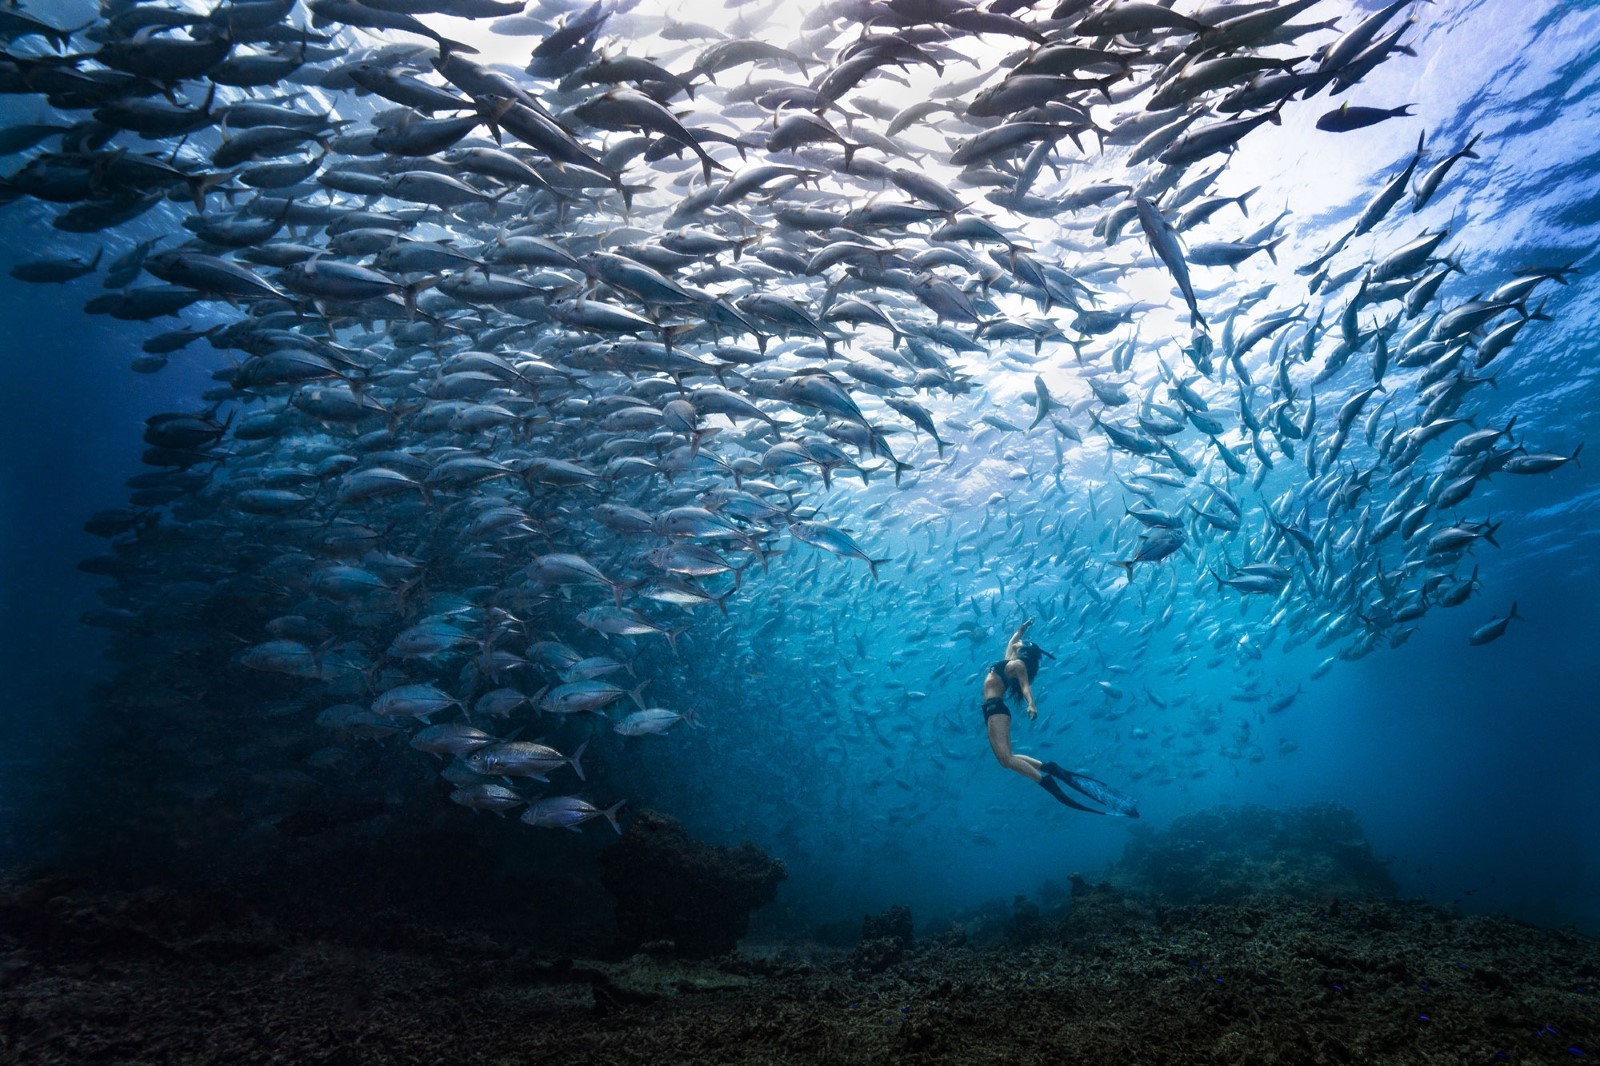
(995, 705)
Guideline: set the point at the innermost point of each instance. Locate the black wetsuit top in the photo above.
(996, 704)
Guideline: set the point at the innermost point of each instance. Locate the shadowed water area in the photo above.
(511, 515)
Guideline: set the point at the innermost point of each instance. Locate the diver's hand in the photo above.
(1033, 712)
(1023, 628)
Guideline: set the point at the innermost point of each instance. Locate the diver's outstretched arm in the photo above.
(1016, 639)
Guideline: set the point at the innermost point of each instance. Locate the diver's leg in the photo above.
(1000, 740)
(999, 729)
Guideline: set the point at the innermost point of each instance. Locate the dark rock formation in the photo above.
(885, 939)
(1100, 911)
(672, 888)
(892, 924)
(1026, 925)
(876, 956)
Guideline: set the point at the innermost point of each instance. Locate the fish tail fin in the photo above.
(611, 815)
(577, 766)
(672, 642)
(761, 556)
(415, 289)
(202, 184)
(1243, 198)
(1513, 613)
(1271, 248)
(637, 692)
(1573, 458)
(873, 564)
(1467, 151)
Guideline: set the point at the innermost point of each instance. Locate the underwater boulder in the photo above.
(1026, 925)
(673, 889)
(1100, 911)
(892, 924)
(885, 939)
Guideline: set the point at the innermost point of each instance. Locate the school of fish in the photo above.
(663, 370)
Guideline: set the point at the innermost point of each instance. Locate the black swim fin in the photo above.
(1119, 803)
(1052, 786)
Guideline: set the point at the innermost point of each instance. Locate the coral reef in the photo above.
(93, 975)
(680, 896)
(1231, 853)
(1289, 964)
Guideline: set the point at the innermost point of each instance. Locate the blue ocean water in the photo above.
(841, 723)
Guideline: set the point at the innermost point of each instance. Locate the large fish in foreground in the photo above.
(1163, 240)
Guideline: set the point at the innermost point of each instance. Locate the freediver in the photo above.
(1010, 678)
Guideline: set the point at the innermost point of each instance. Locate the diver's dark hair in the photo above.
(1029, 653)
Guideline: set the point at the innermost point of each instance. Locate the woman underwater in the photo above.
(1012, 677)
